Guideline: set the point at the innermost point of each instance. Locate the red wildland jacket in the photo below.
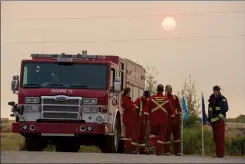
(174, 101)
(129, 109)
(160, 108)
(143, 106)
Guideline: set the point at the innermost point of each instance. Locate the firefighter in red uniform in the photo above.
(217, 108)
(129, 109)
(173, 128)
(141, 123)
(159, 108)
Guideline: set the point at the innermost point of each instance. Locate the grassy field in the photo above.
(14, 142)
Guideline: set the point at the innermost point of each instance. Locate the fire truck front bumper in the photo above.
(60, 128)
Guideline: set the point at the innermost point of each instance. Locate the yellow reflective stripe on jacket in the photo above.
(214, 119)
(134, 143)
(172, 115)
(141, 106)
(126, 139)
(152, 136)
(159, 106)
(217, 108)
(176, 112)
(217, 118)
(146, 113)
(221, 116)
(160, 142)
(141, 145)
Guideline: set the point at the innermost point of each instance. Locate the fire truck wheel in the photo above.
(120, 147)
(34, 143)
(110, 143)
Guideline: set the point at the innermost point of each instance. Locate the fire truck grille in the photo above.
(68, 109)
(55, 102)
(60, 115)
(60, 109)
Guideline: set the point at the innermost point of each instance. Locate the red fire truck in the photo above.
(72, 100)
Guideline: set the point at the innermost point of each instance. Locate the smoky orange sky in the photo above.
(132, 30)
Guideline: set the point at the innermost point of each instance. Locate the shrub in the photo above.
(192, 142)
(235, 146)
(193, 122)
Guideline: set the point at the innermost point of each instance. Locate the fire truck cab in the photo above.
(72, 100)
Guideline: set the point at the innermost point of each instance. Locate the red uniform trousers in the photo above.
(175, 130)
(138, 140)
(219, 137)
(128, 121)
(159, 108)
(128, 136)
(157, 137)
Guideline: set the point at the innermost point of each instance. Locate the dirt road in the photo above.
(56, 157)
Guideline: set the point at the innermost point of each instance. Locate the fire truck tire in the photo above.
(34, 143)
(111, 143)
(67, 146)
(120, 147)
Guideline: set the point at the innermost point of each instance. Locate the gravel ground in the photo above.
(57, 157)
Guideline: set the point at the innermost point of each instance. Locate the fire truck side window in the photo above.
(25, 77)
(122, 75)
(141, 92)
(135, 92)
(122, 84)
(131, 93)
(112, 76)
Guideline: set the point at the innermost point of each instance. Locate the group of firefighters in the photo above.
(164, 113)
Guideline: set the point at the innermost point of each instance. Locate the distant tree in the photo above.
(151, 81)
(192, 102)
(240, 118)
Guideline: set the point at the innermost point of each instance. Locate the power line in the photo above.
(129, 40)
(129, 16)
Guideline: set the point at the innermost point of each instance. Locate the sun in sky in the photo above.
(168, 24)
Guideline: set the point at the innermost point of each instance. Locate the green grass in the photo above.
(11, 142)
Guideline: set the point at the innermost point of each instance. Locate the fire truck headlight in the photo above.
(99, 119)
(90, 109)
(31, 100)
(90, 101)
(25, 127)
(31, 108)
(89, 128)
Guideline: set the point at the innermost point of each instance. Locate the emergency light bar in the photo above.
(67, 57)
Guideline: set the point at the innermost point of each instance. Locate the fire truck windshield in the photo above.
(57, 75)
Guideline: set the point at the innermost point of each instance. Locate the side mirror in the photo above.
(117, 85)
(15, 83)
(11, 103)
